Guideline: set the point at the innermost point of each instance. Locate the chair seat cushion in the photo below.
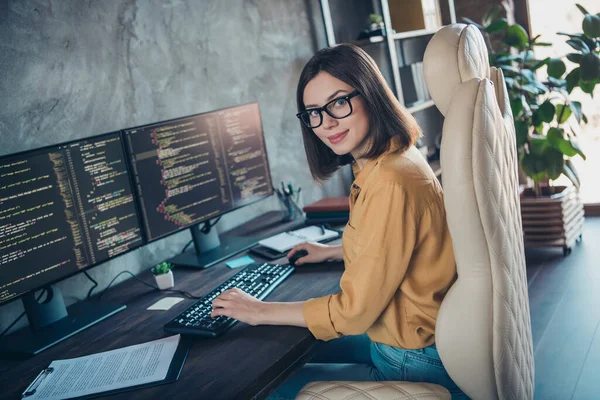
(387, 390)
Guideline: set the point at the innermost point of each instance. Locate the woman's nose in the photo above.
(328, 121)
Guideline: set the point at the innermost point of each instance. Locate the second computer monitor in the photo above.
(191, 169)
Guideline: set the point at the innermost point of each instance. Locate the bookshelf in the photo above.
(398, 50)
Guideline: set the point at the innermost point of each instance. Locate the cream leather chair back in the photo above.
(483, 331)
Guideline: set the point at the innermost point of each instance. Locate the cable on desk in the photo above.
(44, 291)
(183, 293)
(93, 287)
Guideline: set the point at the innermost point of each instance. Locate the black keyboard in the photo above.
(258, 280)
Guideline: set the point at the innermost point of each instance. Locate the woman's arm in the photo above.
(237, 304)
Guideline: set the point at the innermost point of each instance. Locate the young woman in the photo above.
(396, 247)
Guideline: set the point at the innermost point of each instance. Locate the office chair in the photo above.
(483, 331)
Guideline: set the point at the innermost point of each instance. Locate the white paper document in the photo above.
(286, 240)
(97, 373)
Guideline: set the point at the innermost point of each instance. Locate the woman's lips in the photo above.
(338, 137)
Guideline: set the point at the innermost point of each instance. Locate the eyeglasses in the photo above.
(338, 108)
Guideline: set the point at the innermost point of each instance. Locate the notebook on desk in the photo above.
(286, 240)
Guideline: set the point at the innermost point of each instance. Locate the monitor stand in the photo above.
(50, 322)
(210, 249)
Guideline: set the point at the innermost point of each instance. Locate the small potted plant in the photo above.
(376, 27)
(163, 275)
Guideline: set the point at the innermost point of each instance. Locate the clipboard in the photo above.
(175, 368)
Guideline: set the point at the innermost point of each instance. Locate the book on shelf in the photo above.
(412, 15)
(329, 204)
(328, 210)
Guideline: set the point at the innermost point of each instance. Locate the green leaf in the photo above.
(576, 108)
(583, 10)
(569, 164)
(516, 36)
(571, 175)
(584, 118)
(572, 79)
(543, 162)
(556, 68)
(556, 138)
(574, 57)
(532, 89)
(491, 15)
(528, 74)
(510, 82)
(541, 87)
(506, 59)
(516, 106)
(509, 70)
(557, 83)
(543, 44)
(575, 145)
(527, 56)
(554, 163)
(538, 143)
(591, 26)
(590, 67)
(496, 25)
(540, 64)
(546, 111)
(539, 128)
(569, 148)
(587, 87)
(562, 113)
(522, 132)
(578, 45)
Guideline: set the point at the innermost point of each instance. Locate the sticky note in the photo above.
(239, 262)
(165, 303)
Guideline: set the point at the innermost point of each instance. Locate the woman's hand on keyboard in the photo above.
(317, 252)
(237, 304)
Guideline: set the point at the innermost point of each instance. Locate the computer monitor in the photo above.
(63, 209)
(189, 170)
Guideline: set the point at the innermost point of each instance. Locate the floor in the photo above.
(564, 296)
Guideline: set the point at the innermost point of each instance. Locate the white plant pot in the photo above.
(165, 281)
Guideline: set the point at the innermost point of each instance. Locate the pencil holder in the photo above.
(290, 209)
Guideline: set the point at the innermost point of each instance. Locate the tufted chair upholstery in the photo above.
(483, 331)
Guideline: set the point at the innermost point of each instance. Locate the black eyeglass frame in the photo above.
(324, 108)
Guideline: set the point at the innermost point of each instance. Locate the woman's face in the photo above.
(346, 135)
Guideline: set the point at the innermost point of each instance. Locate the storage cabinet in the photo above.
(398, 50)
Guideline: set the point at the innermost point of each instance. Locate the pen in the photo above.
(36, 382)
(322, 229)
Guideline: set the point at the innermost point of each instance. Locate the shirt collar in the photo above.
(361, 175)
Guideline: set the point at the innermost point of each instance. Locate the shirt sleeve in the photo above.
(385, 237)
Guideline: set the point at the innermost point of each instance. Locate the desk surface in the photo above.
(246, 362)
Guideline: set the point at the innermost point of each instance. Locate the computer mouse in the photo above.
(297, 255)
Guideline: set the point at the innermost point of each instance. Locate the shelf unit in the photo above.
(398, 52)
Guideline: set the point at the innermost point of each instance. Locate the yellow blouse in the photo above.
(398, 256)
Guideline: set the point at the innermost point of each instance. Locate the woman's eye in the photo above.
(340, 102)
(313, 114)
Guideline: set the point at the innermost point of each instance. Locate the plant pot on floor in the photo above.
(165, 281)
(554, 219)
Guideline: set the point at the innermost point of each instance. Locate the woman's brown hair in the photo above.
(387, 118)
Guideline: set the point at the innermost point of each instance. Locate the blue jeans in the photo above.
(356, 358)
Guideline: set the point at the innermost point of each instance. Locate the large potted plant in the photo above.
(546, 120)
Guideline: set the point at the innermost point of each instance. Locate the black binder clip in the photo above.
(36, 382)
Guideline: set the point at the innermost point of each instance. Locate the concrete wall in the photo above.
(71, 69)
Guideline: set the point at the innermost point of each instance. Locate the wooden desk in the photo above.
(245, 363)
